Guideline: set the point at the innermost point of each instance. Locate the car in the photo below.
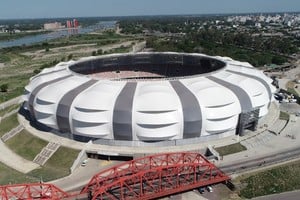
(209, 189)
(83, 164)
(201, 190)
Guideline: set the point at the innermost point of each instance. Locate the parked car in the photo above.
(209, 189)
(83, 164)
(201, 190)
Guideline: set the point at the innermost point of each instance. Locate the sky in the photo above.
(15, 9)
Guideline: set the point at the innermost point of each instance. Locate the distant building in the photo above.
(72, 24)
(53, 26)
(258, 25)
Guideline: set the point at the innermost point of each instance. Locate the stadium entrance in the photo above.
(248, 120)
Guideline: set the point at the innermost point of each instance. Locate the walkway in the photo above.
(108, 150)
(46, 153)
(258, 141)
(271, 145)
(8, 157)
(278, 126)
(82, 175)
(12, 133)
(11, 159)
(10, 102)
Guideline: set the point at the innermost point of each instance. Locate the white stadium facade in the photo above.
(138, 99)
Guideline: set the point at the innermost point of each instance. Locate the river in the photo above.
(29, 40)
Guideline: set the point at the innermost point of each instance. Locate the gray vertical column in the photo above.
(64, 106)
(39, 88)
(192, 115)
(243, 97)
(244, 100)
(122, 114)
(262, 81)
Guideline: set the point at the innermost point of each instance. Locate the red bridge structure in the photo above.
(154, 176)
(143, 178)
(31, 191)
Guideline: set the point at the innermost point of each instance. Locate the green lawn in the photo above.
(276, 180)
(9, 109)
(4, 58)
(26, 145)
(284, 116)
(8, 123)
(230, 149)
(16, 85)
(8, 175)
(57, 166)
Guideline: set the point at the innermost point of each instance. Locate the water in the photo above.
(28, 40)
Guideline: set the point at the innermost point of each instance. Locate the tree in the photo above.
(70, 56)
(278, 60)
(4, 87)
(100, 52)
(36, 71)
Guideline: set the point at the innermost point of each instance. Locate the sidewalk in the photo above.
(82, 175)
(291, 195)
(10, 102)
(107, 149)
(116, 150)
(273, 145)
(11, 159)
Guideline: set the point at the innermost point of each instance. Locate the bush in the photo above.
(100, 52)
(278, 60)
(4, 87)
(70, 56)
(63, 59)
(36, 71)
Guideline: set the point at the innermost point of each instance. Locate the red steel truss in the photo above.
(143, 178)
(31, 191)
(154, 176)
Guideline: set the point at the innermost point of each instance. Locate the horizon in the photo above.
(191, 14)
(34, 9)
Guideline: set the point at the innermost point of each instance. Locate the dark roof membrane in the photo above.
(153, 65)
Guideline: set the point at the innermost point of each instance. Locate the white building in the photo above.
(134, 99)
(53, 26)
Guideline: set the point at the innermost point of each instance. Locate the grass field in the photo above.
(284, 116)
(26, 145)
(57, 166)
(230, 149)
(16, 85)
(23, 62)
(276, 180)
(8, 123)
(10, 176)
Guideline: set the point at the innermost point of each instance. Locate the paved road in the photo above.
(293, 195)
(82, 175)
(261, 161)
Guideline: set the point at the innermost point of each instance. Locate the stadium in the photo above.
(140, 99)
